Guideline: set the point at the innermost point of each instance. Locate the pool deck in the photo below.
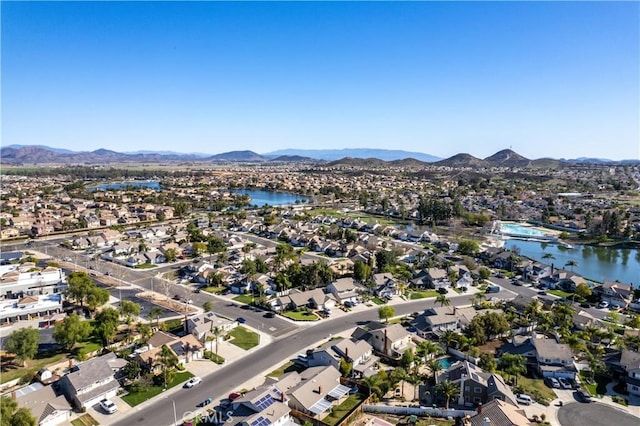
(548, 234)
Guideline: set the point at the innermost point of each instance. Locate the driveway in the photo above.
(594, 414)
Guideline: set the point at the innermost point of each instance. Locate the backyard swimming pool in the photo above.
(446, 362)
(515, 230)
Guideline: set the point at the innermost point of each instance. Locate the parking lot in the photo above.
(145, 305)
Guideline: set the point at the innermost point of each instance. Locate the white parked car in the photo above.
(603, 304)
(524, 399)
(193, 381)
(108, 406)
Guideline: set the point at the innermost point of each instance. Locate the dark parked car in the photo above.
(241, 320)
(269, 314)
(176, 297)
(442, 290)
(583, 395)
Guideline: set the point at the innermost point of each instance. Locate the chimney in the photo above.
(320, 390)
(386, 342)
(346, 353)
(13, 394)
(282, 397)
(479, 407)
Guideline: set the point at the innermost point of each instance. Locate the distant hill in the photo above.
(358, 162)
(408, 162)
(174, 153)
(462, 160)
(48, 148)
(508, 158)
(294, 159)
(243, 156)
(336, 154)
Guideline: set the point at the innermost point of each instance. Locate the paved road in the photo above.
(594, 414)
(228, 379)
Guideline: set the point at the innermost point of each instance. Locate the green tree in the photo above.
(571, 263)
(408, 358)
(23, 343)
(107, 320)
(129, 309)
(155, 313)
(132, 370)
(80, 284)
(167, 361)
(361, 271)
(346, 367)
(207, 306)
(97, 297)
(583, 290)
(171, 255)
(512, 364)
(443, 300)
(448, 390)
(487, 362)
(71, 330)
(484, 273)
(386, 312)
(468, 247)
(386, 260)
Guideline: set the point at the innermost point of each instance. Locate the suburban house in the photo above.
(48, 408)
(390, 341)
(498, 412)
(263, 406)
(358, 352)
(186, 349)
(344, 290)
(312, 299)
(386, 285)
(90, 381)
(436, 320)
(319, 390)
(203, 325)
(615, 293)
(554, 359)
(476, 385)
(437, 278)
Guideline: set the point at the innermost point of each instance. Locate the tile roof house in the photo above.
(90, 381)
(47, 408)
(345, 290)
(359, 352)
(615, 293)
(499, 413)
(319, 390)
(391, 341)
(476, 385)
(554, 359)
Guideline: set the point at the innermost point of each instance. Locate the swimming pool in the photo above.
(446, 362)
(515, 230)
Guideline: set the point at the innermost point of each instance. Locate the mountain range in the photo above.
(39, 154)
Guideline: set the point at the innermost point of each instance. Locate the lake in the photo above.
(595, 263)
(121, 185)
(260, 198)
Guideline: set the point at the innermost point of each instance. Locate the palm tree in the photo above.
(399, 374)
(448, 390)
(434, 366)
(512, 364)
(448, 337)
(478, 298)
(167, 362)
(571, 263)
(155, 313)
(548, 256)
(216, 332)
(443, 300)
(373, 385)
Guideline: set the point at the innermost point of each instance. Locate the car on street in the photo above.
(603, 304)
(269, 314)
(564, 383)
(442, 290)
(542, 293)
(583, 395)
(108, 406)
(197, 290)
(193, 382)
(241, 320)
(205, 402)
(176, 297)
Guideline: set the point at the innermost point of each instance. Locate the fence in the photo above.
(417, 411)
(462, 355)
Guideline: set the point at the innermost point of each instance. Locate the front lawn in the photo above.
(211, 356)
(214, 289)
(285, 368)
(538, 390)
(11, 371)
(378, 301)
(561, 293)
(301, 316)
(244, 298)
(339, 412)
(143, 394)
(422, 294)
(244, 338)
(145, 266)
(596, 386)
(85, 420)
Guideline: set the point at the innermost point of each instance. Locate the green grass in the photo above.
(88, 347)
(214, 289)
(301, 316)
(422, 294)
(85, 420)
(244, 338)
(244, 298)
(560, 293)
(378, 301)
(287, 367)
(136, 398)
(537, 389)
(339, 412)
(145, 266)
(11, 372)
(211, 356)
(597, 386)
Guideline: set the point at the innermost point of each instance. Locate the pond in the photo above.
(272, 198)
(115, 186)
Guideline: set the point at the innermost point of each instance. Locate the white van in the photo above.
(524, 399)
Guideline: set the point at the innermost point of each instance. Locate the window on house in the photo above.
(477, 390)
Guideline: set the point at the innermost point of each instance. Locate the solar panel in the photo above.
(264, 402)
(261, 421)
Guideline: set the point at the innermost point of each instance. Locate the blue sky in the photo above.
(548, 79)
